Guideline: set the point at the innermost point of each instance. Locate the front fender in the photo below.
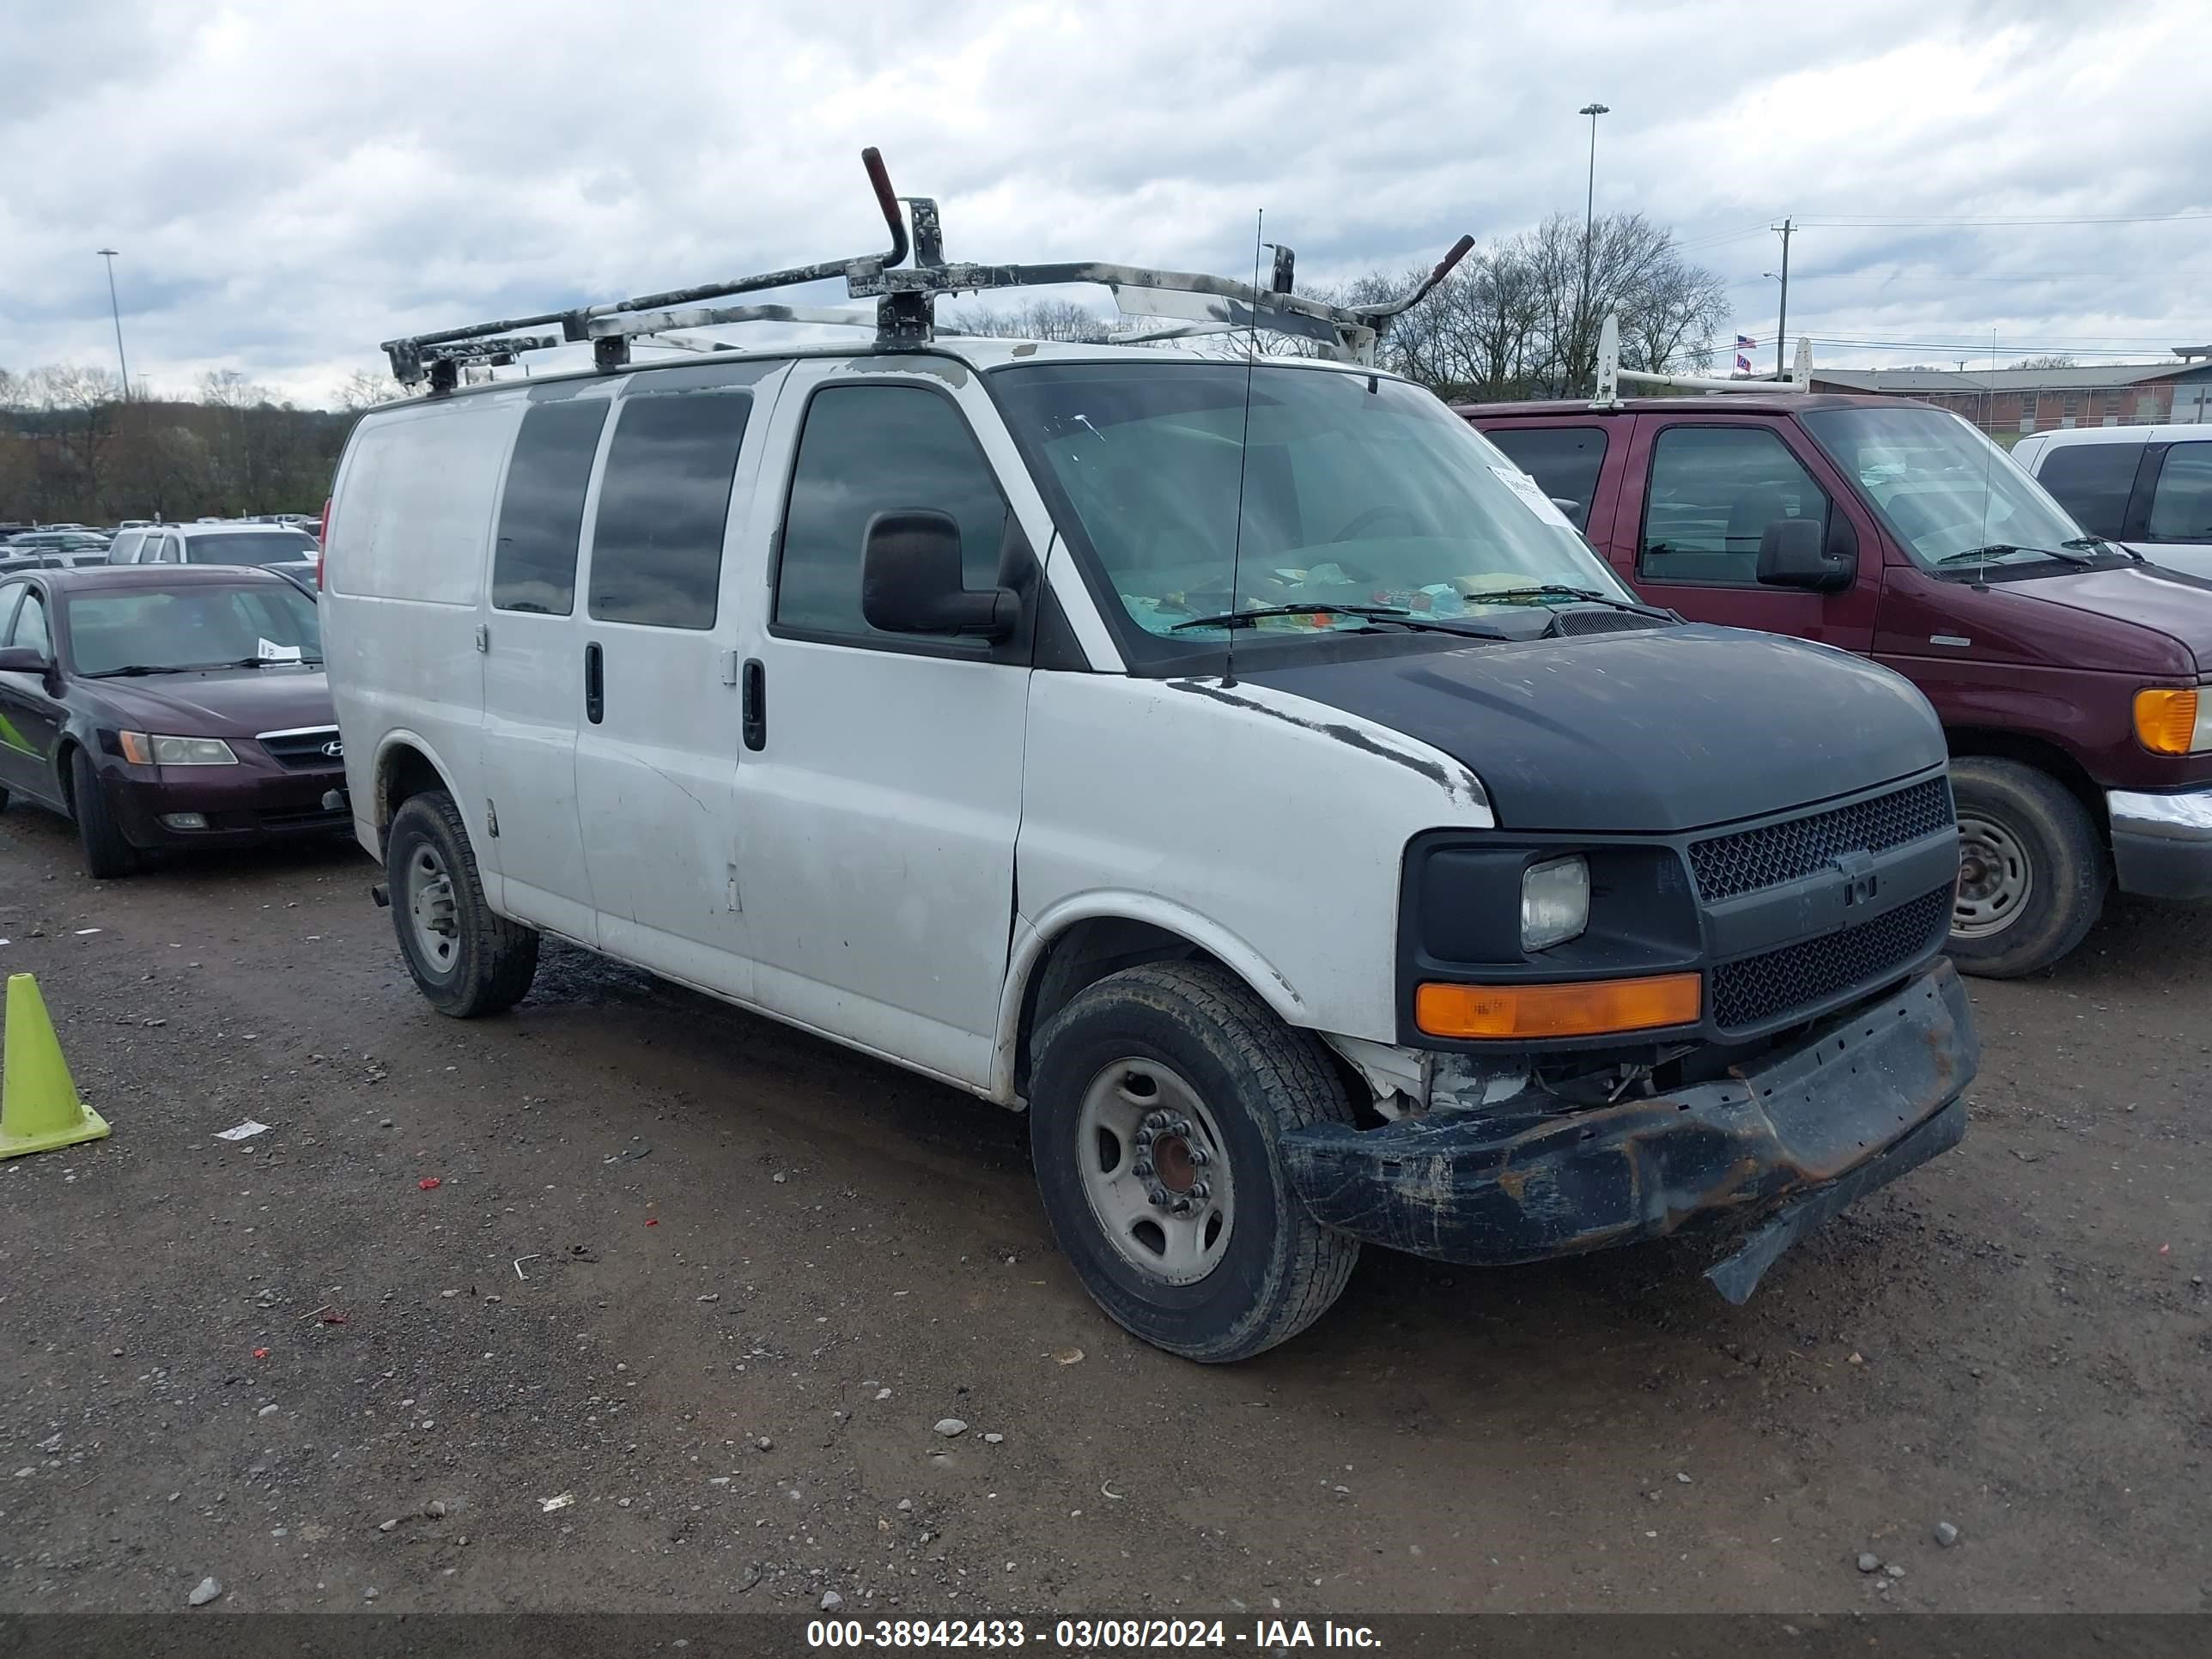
(1034, 936)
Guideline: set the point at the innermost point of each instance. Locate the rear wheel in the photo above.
(2031, 874)
(107, 854)
(1156, 1102)
(466, 960)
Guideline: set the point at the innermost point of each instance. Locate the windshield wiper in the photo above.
(131, 670)
(2105, 543)
(1560, 591)
(1372, 613)
(2069, 554)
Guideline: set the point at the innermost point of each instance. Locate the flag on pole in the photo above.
(1745, 342)
(1743, 362)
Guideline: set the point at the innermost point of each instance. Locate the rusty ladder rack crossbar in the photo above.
(905, 312)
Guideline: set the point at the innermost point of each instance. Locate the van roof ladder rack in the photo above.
(1610, 373)
(906, 298)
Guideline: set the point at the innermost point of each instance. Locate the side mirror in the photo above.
(1573, 509)
(1800, 553)
(911, 581)
(23, 659)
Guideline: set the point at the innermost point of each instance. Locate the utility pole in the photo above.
(1782, 328)
(116, 312)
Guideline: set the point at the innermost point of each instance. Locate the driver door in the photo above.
(30, 718)
(1711, 485)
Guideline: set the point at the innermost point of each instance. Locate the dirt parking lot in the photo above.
(629, 1301)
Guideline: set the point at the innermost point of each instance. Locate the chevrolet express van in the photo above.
(1242, 769)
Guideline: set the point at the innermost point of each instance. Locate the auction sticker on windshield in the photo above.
(1532, 493)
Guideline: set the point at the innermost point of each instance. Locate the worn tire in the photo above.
(1281, 1269)
(107, 854)
(2064, 858)
(494, 959)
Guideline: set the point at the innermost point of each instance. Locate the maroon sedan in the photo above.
(167, 706)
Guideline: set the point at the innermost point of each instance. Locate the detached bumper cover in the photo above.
(1775, 1150)
(2162, 844)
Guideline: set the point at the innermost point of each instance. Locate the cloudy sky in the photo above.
(290, 183)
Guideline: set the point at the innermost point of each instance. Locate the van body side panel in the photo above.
(656, 774)
(411, 533)
(1281, 822)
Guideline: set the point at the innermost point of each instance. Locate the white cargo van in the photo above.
(1240, 766)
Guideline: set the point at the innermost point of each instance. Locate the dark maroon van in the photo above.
(2073, 680)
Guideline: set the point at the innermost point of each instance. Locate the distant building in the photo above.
(2017, 400)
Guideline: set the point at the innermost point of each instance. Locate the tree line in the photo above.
(74, 449)
(1519, 318)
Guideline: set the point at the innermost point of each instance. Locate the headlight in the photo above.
(140, 750)
(2173, 722)
(1555, 901)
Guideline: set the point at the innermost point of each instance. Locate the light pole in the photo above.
(1593, 109)
(116, 312)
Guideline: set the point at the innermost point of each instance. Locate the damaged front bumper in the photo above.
(1774, 1149)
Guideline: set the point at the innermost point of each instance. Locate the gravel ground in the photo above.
(628, 1300)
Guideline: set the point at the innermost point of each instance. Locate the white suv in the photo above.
(212, 542)
(2146, 487)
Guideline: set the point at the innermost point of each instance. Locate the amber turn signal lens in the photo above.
(1588, 1008)
(2165, 720)
(135, 748)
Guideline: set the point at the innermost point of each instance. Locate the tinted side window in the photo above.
(1564, 460)
(870, 449)
(657, 543)
(534, 566)
(11, 594)
(2092, 482)
(31, 624)
(1714, 490)
(2181, 505)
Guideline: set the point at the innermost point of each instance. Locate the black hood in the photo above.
(1646, 733)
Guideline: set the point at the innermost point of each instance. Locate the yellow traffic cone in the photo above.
(39, 1107)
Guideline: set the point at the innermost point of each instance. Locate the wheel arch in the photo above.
(406, 765)
(1077, 943)
(1985, 743)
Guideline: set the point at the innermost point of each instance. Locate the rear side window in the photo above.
(2092, 482)
(1714, 490)
(657, 543)
(2181, 506)
(533, 565)
(1564, 460)
(870, 449)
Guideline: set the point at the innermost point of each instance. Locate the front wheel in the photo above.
(1156, 1103)
(467, 960)
(2032, 870)
(107, 853)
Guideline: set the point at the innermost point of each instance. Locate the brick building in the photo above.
(2010, 401)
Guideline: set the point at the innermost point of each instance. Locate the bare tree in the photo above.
(1035, 320)
(2052, 360)
(365, 388)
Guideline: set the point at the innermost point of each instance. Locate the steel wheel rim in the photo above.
(1997, 879)
(431, 909)
(1155, 1171)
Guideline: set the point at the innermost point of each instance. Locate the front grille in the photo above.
(1756, 989)
(1775, 853)
(302, 751)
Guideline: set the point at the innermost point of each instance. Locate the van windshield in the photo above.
(1357, 490)
(1943, 488)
